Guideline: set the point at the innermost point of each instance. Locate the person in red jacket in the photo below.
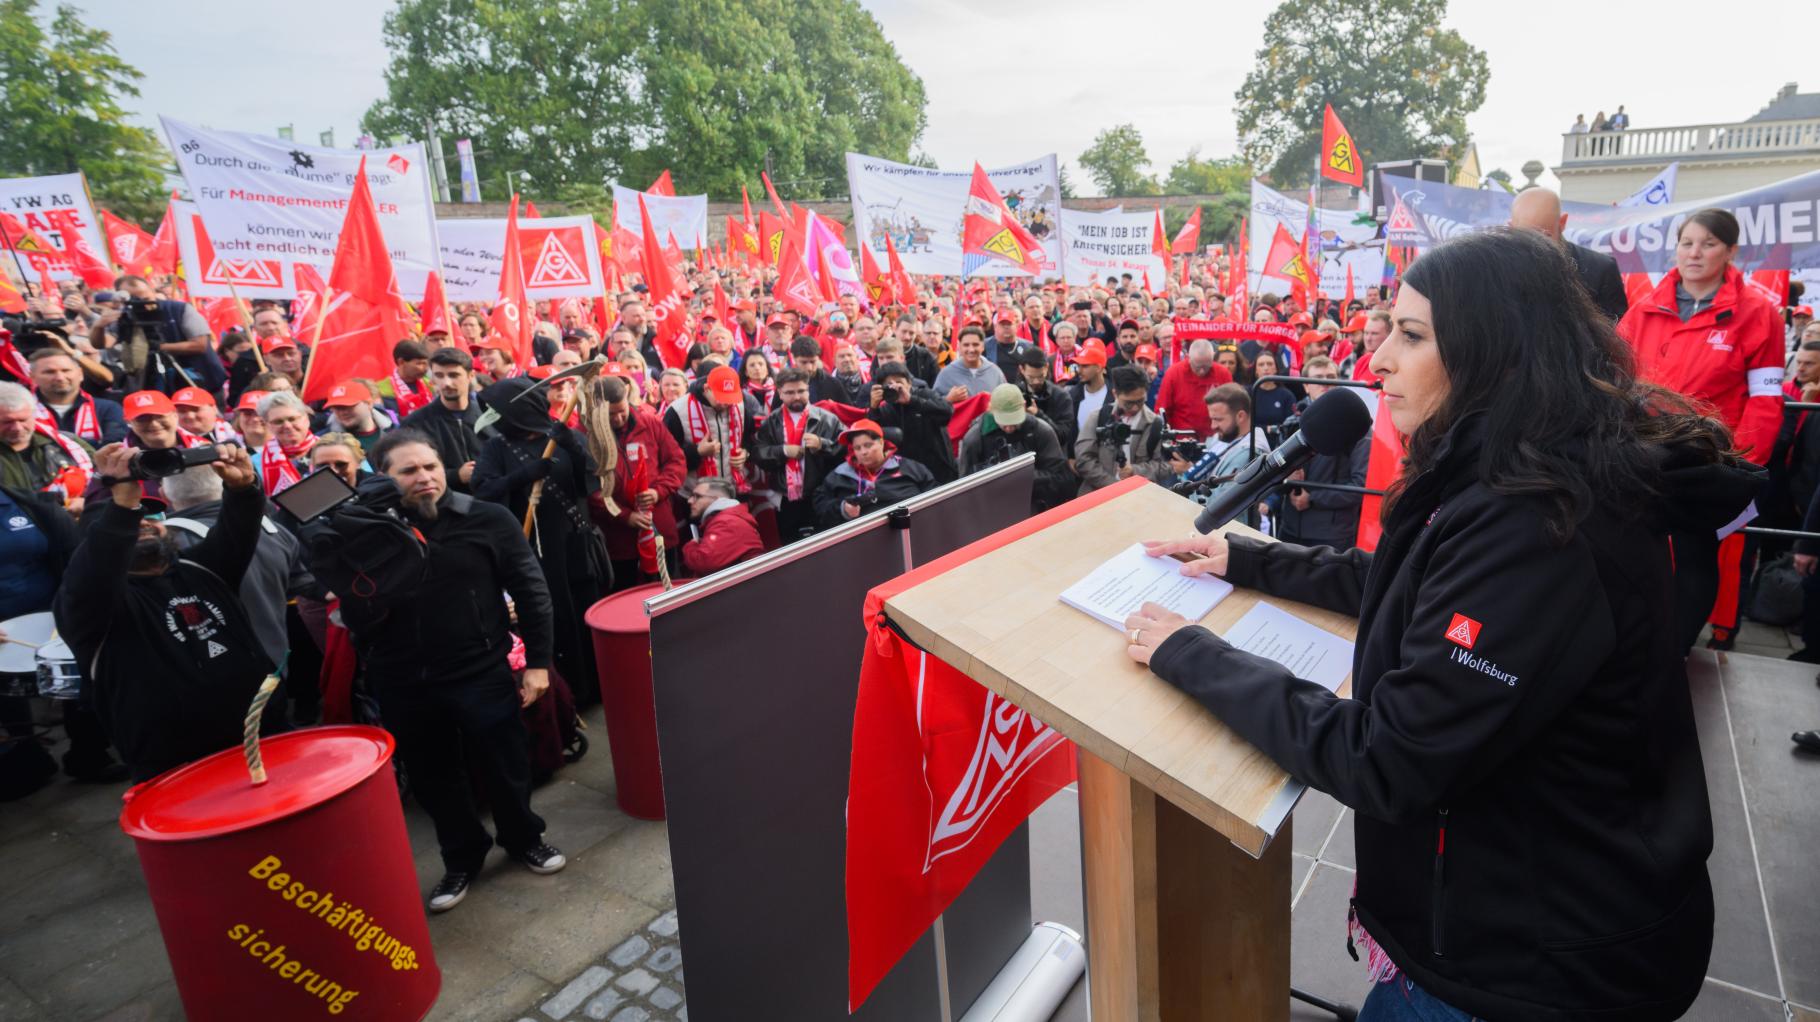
(1706, 334)
(641, 436)
(1182, 396)
(728, 534)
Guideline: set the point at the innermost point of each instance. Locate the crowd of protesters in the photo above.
(186, 588)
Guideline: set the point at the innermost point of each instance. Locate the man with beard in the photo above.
(797, 446)
(436, 660)
(449, 420)
(1230, 446)
(726, 532)
(172, 657)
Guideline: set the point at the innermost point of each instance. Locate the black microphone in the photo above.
(1333, 423)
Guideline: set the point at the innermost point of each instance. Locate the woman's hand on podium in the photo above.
(1200, 555)
(1149, 628)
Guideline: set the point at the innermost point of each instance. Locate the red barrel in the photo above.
(622, 651)
(294, 899)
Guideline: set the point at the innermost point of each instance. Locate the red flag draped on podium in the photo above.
(1339, 155)
(901, 284)
(434, 312)
(668, 301)
(365, 314)
(1189, 237)
(942, 771)
(990, 229)
(511, 316)
(128, 244)
(1285, 262)
(663, 185)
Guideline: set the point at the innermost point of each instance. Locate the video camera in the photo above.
(1115, 433)
(1183, 444)
(170, 461)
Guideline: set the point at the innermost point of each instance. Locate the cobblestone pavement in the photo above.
(641, 980)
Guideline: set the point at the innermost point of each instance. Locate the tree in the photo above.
(60, 92)
(567, 91)
(1116, 161)
(1192, 175)
(1402, 84)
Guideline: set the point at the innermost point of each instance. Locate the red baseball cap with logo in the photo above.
(148, 402)
(270, 344)
(862, 426)
(542, 372)
(1301, 319)
(1355, 324)
(1804, 310)
(249, 401)
(1310, 336)
(1094, 351)
(1004, 316)
(346, 395)
(777, 319)
(192, 397)
(1148, 352)
(723, 383)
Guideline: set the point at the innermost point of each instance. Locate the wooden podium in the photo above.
(1184, 825)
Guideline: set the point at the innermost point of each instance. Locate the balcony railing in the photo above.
(1662, 145)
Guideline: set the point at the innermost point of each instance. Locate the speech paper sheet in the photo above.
(1311, 653)
(1112, 591)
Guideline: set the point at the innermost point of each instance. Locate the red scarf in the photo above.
(409, 397)
(277, 464)
(695, 420)
(763, 391)
(868, 480)
(793, 467)
(88, 427)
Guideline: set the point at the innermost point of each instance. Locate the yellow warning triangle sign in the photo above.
(1004, 246)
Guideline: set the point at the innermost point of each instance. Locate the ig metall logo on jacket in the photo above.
(1463, 632)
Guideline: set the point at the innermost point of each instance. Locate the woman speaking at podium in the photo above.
(1532, 822)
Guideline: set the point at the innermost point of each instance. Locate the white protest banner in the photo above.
(266, 198)
(208, 275)
(32, 200)
(559, 257)
(1349, 239)
(1100, 245)
(922, 209)
(684, 218)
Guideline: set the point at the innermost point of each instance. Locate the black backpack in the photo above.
(365, 549)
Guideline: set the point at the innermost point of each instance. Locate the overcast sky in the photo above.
(1019, 80)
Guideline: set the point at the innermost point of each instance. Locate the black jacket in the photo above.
(824, 387)
(1599, 272)
(1332, 518)
(1532, 825)
(922, 364)
(922, 430)
(171, 660)
(1057, 406)
(900, 479)
(768, 450)
(453, 434)
(456, 628)
(987, 443)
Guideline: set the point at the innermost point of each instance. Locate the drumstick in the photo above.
(22, 642)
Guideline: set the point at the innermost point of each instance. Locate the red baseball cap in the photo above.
(1093, 351)
(1004, 316)
(1309, 336)
(777, 319)
(542, 372)
(723, 383)
(249, 401)
(862, 426)
(1148, 351)
(193, 397)
(1356, 323)
(1301, 319)
(1805, 310)
(344, 395)
(270, 344)
(148, 402)
(745, 305)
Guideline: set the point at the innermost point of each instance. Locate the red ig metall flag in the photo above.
(668, 302)
(511, 315)
(942, 771)
(990, 229)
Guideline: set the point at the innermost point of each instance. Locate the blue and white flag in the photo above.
(1660, 191)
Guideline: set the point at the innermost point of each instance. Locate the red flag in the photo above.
(663, 185)
(830, 291)
(723, 310)
(771, 190)
(1238, 299)
(11, 300)
(531, 212)
(307, 306)
(1159, 247)
(37, 249)
(511, 316)
(746, 200)
(739, 240)
(1339, 156)
(942, 772)
(435, 308)
(771, 230)
(901, 284)
(1382, 466)
(88, 264)
(878, 287)
(603, 315)
(794, 289)
(989, 228)
(365, 314)
(127, 243)
(223, 314)
(163, 255)
(669, 302)
(1349, 298)
(1285, 262)
(1189, 237)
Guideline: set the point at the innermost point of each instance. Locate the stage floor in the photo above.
(78, 940)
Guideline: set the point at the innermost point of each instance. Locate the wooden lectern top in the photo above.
(998, 619)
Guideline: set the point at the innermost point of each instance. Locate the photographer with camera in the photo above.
(435, 641)
(1126, 437)
(1047, 398)
(1011, 426)
(170, 655)
(157, 343)
(797, 446)
(873, 476)
(1232, 445)
(918, 415)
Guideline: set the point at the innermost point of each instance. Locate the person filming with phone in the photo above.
(1532, 822)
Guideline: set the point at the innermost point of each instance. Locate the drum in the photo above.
(18, 655)
(57, 674)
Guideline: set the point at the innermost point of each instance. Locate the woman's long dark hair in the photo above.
(1566, 418)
